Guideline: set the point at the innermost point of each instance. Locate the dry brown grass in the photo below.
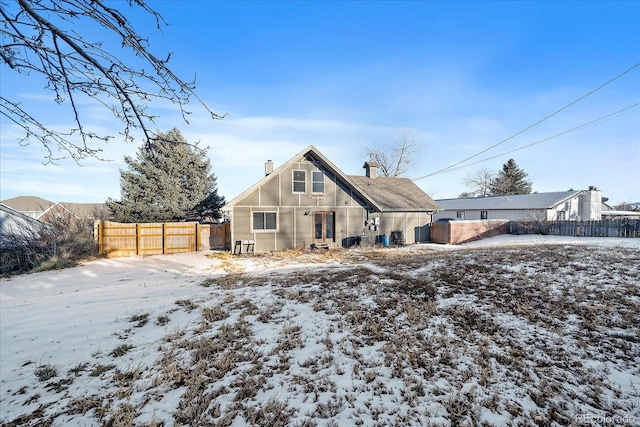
(395, 337)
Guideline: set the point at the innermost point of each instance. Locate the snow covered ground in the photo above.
(515, 330)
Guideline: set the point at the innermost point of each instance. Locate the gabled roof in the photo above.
(396, 194)
(382, 194)
(13, 221)
(9, 211)
(28, 204)
(37, 206)
(312, 152)
(520, 201)
(87, 210)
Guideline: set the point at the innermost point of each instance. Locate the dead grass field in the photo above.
(538, 335)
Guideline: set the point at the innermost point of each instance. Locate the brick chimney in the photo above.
(268, 168)
(370, 169)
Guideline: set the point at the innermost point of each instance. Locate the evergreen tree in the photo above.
(510, 180)
(168, 180)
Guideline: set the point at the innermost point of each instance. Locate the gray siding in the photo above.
(572, 205)
(411, 224)
(295, 211)
(295, 228)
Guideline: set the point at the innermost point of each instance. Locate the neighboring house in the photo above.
(609, 213)
(14, 223)
(47, 211)
(309, 201)
(29, 205)
(81, 211)
(563, 205)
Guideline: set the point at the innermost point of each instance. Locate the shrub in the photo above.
(59, 244)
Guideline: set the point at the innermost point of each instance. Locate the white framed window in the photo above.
(317, 182)
(264, 221)
(299, 181)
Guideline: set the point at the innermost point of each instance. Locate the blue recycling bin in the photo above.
(385, 240)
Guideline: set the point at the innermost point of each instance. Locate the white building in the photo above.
(563, 205)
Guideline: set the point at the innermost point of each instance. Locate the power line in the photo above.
(592, 122)
(533, 125)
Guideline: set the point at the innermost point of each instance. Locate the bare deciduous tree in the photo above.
(41, 38)
(479, 182)
(396, 159)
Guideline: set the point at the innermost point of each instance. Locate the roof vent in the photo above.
(268, 168)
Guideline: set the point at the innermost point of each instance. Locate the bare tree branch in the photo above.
(396, 160)
(479, 182)
(38, 38)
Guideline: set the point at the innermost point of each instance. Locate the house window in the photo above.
(265, 221)
(317, 182)
(460, 214)
(483, 214)
(299, 181)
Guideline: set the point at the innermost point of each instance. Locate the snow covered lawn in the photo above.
(515, 330)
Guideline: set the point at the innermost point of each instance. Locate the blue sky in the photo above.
(462, 76)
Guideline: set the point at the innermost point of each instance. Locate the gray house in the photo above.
(16, 224)
(29, 205)
(48, 211)
(308, 201)
(562, 205)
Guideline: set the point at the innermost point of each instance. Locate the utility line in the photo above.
(593, 122)
(533, 125)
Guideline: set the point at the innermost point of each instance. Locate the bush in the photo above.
(59, 244)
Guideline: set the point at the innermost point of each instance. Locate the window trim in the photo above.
(484, 215)
(314, 182)
(264, 230)
(460, 214)
(294, 181)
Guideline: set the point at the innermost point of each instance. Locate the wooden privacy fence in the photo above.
(603, 228)
(123, 239)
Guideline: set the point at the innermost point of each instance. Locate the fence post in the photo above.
(164, 237)
(198, 237)
(138, 238)
(97, 232)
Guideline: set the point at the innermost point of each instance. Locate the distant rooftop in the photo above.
(520, 201)
(28, 203)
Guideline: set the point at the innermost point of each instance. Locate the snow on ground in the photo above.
(508, 330)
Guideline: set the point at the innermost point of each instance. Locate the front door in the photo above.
(324, 226)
